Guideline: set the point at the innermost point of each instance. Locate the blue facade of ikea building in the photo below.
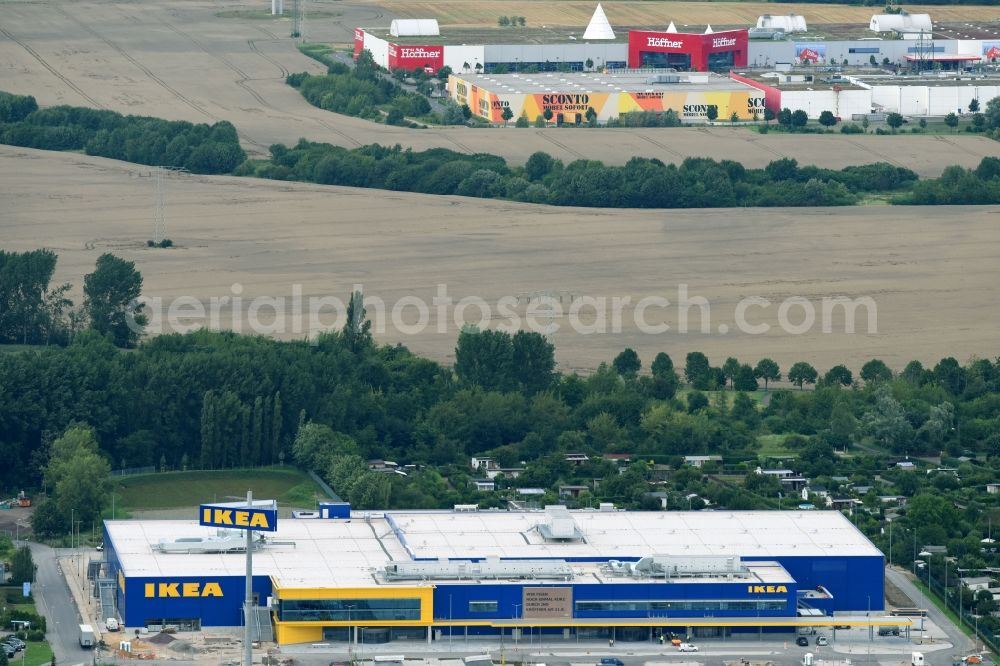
(321, 575)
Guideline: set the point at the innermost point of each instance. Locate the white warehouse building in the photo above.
(788, 23)
(901, 22)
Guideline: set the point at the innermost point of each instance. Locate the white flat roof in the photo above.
(334, 553)
(622, 534)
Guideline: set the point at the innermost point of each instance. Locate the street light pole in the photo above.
(890, 543)
(517, 629)
(248, 601)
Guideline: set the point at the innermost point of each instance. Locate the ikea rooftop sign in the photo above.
(246, 518)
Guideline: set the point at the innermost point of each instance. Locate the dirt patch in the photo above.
(895, 597)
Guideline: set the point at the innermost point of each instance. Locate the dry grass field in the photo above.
(179, 59)
(471, 13)
(932, 272)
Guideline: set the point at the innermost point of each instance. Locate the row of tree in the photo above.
(362, 91)
(198, 148)
(33, 312)
(958, 185)
(641, 183)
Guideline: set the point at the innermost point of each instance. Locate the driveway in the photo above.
(961, 642)
(54, 601)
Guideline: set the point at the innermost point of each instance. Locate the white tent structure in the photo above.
(790, 23)
(414, 28)
(901, 23)
(671, 27)
(708, 29)
(599, 27)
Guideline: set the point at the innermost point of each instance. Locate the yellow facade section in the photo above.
(301, 632)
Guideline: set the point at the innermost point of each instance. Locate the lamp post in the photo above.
(869, 618)
(517, 629)
(890, 541)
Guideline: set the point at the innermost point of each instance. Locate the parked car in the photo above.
(974, 659)
(14, 642)
(802, 640)
(821, 640)
(687, 647)
(9, 649)
(611, 661)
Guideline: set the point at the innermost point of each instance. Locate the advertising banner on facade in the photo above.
(702, 49)
(565, 107)
(991, 51)
(547, 602)
(409, 57)
(359, 42)
(810, 53)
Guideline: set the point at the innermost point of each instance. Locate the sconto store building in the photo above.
(554, 574)
(568, 96)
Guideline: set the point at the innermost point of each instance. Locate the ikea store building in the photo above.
(562, 575)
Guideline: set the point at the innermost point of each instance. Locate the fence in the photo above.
(132, 471)
(322, 484)
(985, 634)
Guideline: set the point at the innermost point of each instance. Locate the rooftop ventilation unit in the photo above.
(671, 566)
(559, 525)
(224, 541)
(490, 568)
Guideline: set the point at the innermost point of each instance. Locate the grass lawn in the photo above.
(774, 445)
(35, 654)
(290, 486)
(756, 396)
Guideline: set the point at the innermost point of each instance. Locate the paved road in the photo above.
(54, 601)
(961, 642)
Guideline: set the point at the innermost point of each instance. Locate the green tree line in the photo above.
(640, 183)
(221, 400)
(199, 148)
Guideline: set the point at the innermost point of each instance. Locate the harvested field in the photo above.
(179, 60)
(537, 12)
(931, 272)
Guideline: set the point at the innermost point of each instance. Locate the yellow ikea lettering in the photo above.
(767, 589)
(259, 520)
(235, 517)
(171, 590)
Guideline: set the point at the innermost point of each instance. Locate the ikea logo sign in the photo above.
(177, 590)
(261, 520)
(767, 589)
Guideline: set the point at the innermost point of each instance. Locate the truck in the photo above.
(86, 636)
(916, 659)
